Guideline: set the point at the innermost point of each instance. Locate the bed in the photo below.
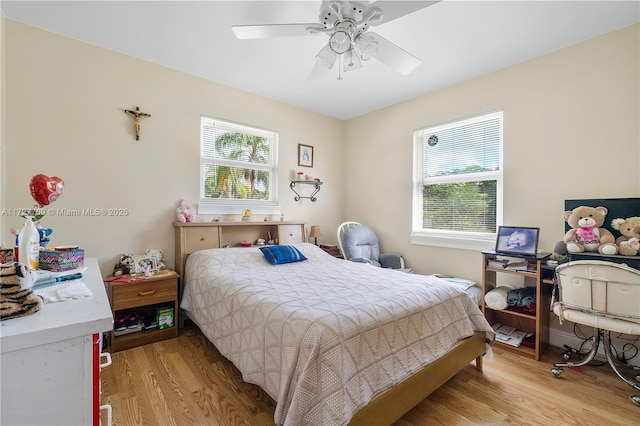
(333, 342)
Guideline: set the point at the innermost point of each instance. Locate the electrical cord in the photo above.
(629, 350)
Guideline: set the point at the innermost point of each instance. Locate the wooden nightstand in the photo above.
(143, 295)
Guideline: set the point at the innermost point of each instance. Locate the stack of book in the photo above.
(332, 249)
(514, 265)
(509, 335)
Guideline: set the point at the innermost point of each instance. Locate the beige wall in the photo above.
(571, 131)
(64, 116)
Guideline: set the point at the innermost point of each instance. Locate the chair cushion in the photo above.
(277, 255)
(596, 320)
(360, 241)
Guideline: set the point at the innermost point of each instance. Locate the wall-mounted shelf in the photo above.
(316, 187)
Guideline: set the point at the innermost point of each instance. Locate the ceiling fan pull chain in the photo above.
(340, 67)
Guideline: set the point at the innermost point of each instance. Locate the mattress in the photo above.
(323, 336)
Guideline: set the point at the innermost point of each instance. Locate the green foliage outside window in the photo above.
(234, 173)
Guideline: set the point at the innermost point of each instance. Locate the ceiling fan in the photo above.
(347, 24)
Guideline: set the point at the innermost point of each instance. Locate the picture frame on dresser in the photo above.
(517, 240)
(141, 263)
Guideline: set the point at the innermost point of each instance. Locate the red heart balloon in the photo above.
(45, 189)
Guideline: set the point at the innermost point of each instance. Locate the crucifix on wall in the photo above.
(137, 116)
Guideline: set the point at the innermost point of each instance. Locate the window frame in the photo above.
(228, 206)
(447, 238)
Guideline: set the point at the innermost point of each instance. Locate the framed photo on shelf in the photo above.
(141, 263)
(517, 240)
(305, 155)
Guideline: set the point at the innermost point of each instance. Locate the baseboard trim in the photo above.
(559, 338)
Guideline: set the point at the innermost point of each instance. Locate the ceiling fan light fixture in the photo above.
(367, 45)
(340, 41)
(326, 56)
(351, 61)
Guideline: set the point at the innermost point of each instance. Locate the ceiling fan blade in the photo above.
(392, 55)
(273, 30)
(396, 9)
(319, 72)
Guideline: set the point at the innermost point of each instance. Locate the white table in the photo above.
(50, 360)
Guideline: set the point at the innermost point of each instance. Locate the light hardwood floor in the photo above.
(185, 381)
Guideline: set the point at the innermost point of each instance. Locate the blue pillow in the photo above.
(277, 255)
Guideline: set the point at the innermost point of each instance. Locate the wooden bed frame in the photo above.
(389, 405)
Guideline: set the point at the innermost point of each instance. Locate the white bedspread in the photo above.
(324, 336)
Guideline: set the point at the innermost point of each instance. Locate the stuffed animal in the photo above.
(559, 253)
(16, 297)
(630, 230)
(586, 233)
(158, 255)
(184, 212)
(123, 267)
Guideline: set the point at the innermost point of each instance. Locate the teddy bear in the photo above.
(16, 297)
(628, 242)
(158, 255)
(184, 212)
(123, 267)
(586, 233)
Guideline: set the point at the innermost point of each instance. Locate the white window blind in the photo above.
(238, 164)
(458, 178)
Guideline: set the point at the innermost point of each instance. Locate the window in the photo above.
(238, 167)
(457, 197)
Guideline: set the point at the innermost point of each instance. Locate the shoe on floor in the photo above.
(121, 322)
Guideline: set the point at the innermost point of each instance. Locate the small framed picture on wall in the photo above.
(305, 155)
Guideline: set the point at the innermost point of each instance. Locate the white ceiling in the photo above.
(456, 40)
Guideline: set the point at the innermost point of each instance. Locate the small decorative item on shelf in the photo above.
(245, 244)
(184, 212)
(246, 215)
(317, 180)
(299, 174)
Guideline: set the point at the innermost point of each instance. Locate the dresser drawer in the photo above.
(144, 293)
(202, 237)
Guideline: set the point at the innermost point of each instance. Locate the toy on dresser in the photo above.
(123, 267)
(16, 297)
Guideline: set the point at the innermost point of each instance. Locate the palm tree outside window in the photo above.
(238, 164)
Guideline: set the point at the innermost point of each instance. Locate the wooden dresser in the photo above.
(194, 236)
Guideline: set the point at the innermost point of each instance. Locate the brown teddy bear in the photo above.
(123, 267)
(16, 297)
(586, 233)
(629, 242)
